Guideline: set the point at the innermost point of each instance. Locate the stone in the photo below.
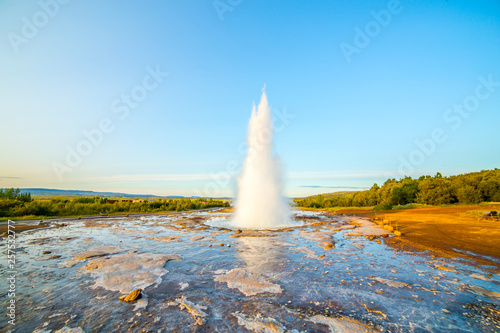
(490, 213)
(165, 239)
(342, 324)
(98, 251)
(134, 295)
(67, 329)
(195, 310)
(128, 271)
(390, 283)
(247, 283)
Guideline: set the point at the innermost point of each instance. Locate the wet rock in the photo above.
(480, 277)
(67, 329)
(261, 324)
(70, 263)
(483, 313)
(98, 251)
(195, 310)
(249, 284)
(390, 283)
(366, 228)
(446, 311)
(327, 245)
(124, 272)
(342, 325)
(484, 292)
(447, 269)
(165, 239)
(308, 252)
(134, 295)
(48, 257)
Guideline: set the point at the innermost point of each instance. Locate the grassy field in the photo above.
(69, 206)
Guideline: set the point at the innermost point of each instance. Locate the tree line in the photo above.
(16, 204)
(14, 194)
(469, 188)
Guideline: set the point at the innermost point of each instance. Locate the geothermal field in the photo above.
(326, 274)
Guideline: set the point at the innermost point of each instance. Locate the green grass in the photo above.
(34, 217)
(333, 209)
(478, 214)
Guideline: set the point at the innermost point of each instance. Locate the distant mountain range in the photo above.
(49, 191)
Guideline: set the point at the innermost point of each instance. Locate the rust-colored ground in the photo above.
(18, 228)
(445, 231)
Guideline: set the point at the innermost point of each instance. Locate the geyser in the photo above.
(260, 202)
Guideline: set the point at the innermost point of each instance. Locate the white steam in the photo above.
(260, 202)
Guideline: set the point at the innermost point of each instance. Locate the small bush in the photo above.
(383, 206)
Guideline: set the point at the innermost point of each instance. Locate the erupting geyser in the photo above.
(260, 202)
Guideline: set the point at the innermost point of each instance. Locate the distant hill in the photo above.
(49, 191)
(332, 194)
(338, 193)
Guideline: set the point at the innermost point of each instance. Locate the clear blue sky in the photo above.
(350, 117)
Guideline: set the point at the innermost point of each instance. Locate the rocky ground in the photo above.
(329, 273)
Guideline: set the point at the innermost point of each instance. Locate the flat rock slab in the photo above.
(342, 325)
(249, 284)
(366, 228)
(128, 271)
(97, 251)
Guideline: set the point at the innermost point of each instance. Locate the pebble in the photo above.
(132, 296)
